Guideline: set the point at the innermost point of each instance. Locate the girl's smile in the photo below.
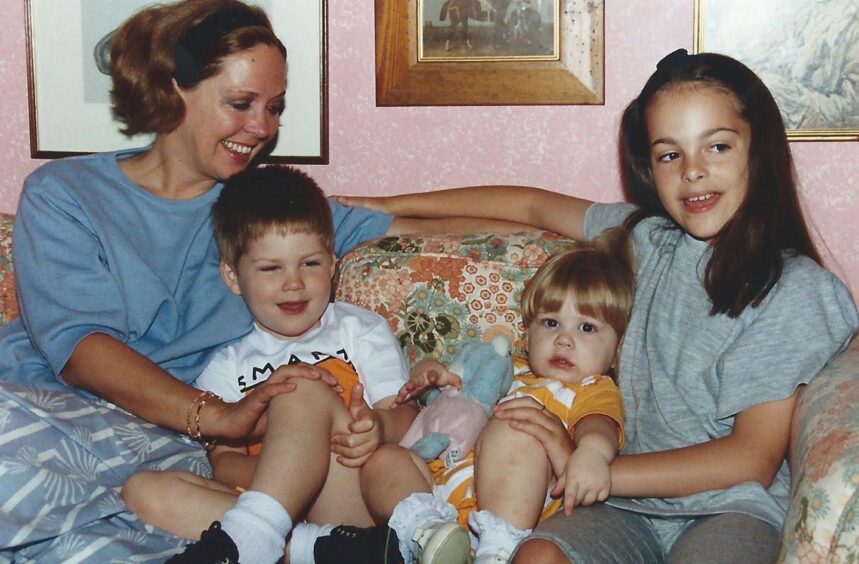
(699, 146)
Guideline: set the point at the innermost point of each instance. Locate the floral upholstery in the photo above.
(8, 296)
(439, 292)
(822, 523)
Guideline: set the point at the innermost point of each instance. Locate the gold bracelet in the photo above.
(194, 431)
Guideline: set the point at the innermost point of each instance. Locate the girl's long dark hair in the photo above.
(747, 258)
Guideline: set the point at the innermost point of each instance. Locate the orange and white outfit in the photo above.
(595, 395)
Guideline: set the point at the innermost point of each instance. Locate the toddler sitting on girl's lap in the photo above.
(575, 311)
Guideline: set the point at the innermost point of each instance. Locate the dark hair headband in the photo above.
(191, 51)
(673, 60)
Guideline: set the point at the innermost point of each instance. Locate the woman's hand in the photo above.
(246, 417)
(365, 433)
(529, 416)
(426, 374)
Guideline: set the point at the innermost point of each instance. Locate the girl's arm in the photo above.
(522, 205)
(754, 451)
(587, 478)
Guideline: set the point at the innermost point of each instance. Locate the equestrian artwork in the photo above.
(488, 28)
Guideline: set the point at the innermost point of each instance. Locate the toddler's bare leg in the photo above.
(511, 474)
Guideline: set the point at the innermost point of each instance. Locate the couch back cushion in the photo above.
(8, 295)
(442, 291)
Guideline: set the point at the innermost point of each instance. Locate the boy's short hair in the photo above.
(599, 274)
(258, 200)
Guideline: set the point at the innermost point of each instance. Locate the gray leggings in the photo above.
(601, 534)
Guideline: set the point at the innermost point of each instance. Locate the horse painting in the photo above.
(460, 11)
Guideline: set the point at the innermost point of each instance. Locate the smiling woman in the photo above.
(141, 307)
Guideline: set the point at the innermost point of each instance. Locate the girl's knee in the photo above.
(539, 551)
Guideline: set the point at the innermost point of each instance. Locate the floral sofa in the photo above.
(440, 292)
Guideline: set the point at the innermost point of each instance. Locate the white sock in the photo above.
(494, 534)
(258, 524)
(303, 539)
(413, 512)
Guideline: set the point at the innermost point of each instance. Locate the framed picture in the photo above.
(489, 52)
(69, 96)
(805, 51)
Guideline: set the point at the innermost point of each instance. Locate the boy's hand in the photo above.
(587, 478)
(426, 374)
(365, 432)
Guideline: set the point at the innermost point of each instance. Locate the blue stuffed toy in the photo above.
(448, 427)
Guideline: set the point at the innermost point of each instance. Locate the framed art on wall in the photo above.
(69, 88)
(805, 51)
(489, 52)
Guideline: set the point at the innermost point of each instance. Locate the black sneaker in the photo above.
(356, 545)
(214, 547)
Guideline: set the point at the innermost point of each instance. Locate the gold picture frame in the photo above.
(576, 76)
(805, 51)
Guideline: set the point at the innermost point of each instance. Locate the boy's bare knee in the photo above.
(139, 490)
(389, 456)
(311, 393)
(539, 551)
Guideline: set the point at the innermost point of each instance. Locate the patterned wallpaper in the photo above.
(565, 148)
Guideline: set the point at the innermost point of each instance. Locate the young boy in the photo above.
(553, 436)
(274, 232)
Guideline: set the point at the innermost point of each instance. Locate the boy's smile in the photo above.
(285, 280)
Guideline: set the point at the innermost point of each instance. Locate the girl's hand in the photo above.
(587, 479)
(529, 416)
(426, 374)
(365, 432)
(246, 417)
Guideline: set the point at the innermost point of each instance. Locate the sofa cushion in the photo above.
(8, 295)
(439, 292)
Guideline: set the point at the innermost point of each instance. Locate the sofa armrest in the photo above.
(822, 523)
(8, 294)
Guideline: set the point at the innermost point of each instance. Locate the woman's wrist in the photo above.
(199, 413)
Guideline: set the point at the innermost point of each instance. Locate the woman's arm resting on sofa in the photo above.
(560, 213)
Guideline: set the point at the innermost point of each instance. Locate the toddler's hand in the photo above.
(587, 478)
(426, 374)
(365, 432)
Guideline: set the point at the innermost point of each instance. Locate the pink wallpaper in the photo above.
(565, 148)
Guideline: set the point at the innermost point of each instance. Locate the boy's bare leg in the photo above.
(179, 502)
(511, 474)
(296, 466)
(389, 476)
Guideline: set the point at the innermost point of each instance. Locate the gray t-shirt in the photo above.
(685, 374)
